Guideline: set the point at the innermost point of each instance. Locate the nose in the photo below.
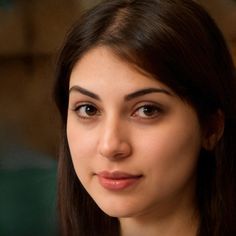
(114, 143)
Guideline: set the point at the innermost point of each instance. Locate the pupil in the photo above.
(90, 110)
(148, 110)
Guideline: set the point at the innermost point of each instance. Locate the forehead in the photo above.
(101, 67)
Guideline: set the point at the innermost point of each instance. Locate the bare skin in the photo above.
(134, 145)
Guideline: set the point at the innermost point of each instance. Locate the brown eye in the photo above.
(147, 111)
(86, 111)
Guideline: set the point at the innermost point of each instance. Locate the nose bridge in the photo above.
(111, 133)
(113, 141)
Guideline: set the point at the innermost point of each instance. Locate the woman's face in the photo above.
(134, 143)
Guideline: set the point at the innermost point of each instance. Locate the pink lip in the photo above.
(117, 180)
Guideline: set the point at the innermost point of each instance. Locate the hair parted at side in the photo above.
(176, 42)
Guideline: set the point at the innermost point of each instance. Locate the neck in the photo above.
(164, 227)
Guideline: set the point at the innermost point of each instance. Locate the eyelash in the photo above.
(78, 109)
(155, 111)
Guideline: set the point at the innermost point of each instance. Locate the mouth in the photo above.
(117, 180)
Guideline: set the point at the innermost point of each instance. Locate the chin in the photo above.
(119, 212)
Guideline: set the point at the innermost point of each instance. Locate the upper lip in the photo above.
(117, 175)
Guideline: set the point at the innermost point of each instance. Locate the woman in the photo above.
(146, 92)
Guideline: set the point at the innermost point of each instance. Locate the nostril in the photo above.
(116, 152)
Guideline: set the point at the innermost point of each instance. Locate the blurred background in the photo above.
(31, 32)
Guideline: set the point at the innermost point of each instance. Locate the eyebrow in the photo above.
(145, 91)
(128, 97)
(84, 91)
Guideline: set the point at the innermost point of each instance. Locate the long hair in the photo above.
(178, 43)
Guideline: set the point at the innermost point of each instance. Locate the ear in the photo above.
(213, 130)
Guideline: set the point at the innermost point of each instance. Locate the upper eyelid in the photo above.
(82, 103)
(77, 111)
(159, 108)
(148, 103)
(77, 105)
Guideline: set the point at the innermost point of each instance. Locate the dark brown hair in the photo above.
(177, 42)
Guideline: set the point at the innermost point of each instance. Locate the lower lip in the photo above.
(117, 184)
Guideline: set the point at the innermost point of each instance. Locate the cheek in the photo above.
(81, 148)
(171, 154)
